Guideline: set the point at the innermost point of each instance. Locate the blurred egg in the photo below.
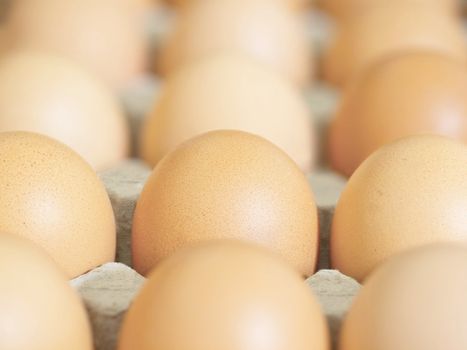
(294, 4)
(409, 193)
(39, 309)
(55, 97)
(414, 301)
(106, 36)
(229, 92)
(226, 184)
(344, 8)
(224, 295)
(386, 31)
(52, 196)
(264, 31)
(410, 94)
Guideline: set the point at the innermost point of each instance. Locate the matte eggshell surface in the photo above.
(55, 97)
(229, 92)
(406, 194)
(39, 310)
(105, 36)
(226, 184)
(294, 4)
(267, 32)
(224, 295)
(53, 197)
(409, 94)
(382, 32)
(414, 301)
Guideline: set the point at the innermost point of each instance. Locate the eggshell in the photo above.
(342, 9)
(409, 193)
(55, 97)
(229, 92)
(40, 311)
(226, 184)
(52, 196)
(414, 301)
(409, 94)
(106, 36)
(294, 4)
(264, 31)
(385, 31)
(224, 295)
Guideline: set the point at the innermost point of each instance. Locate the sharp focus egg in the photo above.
(224, 295)
(226, 184)
(52, 196)
(406, 194)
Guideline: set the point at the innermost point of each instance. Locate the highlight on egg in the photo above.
(105, 36)
(413, 93)
(263, 30)
(51, 196)
(224, 295)
(39, 308)
(406, 194)
(226, 184)
(383, 32)
(416, 300)
(53, 96)
(228, 91)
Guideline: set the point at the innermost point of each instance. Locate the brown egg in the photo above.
(386, 31)
(410, 94)
(264, 31)
(226, 184)
(224, 295)
(235, 93)
(55, 97)
(106, 36)
(414, 301)
(40, 311)
(406, 194)
(344, 8)
(52, 196)
(294, 4)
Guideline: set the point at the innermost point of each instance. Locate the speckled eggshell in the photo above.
(235, 93)
(52, 196)
(224, 295)
(386, 31)
(264, 31)
(406, 194)
(414, 301)
(409, 94)
(55, 97)
(105, 36)
(226, 184)
(40, 311)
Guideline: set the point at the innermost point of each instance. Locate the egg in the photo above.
(39, 309)
(235, 93)
(409, 94)
(344, 8)
(53, 197)
(105, 36)
(226, 184)
(406, 194)
(294, 4)
(386, 31)
(53, 96)
(264, 31)
(414, 301)
(224, 295)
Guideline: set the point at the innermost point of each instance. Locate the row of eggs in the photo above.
(223, 188)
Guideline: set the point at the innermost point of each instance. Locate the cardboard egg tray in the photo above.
(108, 290)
